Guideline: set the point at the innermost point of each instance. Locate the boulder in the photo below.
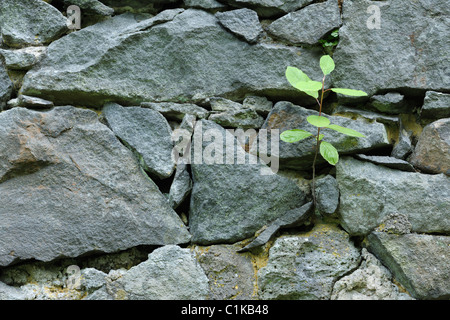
(432, 151)
(30, 23)
(405, 52)
(243, 23)
(417, 261)
(370, 192)
(106, 62)
(72, 188)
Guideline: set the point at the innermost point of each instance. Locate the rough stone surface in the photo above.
(73, 188)
(242, 22)
(240, 192)
(147, 133)
(268, 8)
(23, 59)
(181, 185)
(305, 266)
(308, 25)
(327, 194)
(260, 104)
(432, 151)
(204, 4)
(436, 105)
(417, 261)
(6, 86)
(392, 102)
(109, 64)
(386, 161)
(94, 7)
(244, 118)
(30, 22)
(176, 111)
(299, 155)
(33, 102)
(405, 54)
(370, 192)
(231, 275)
(371, 281)
(170, 273)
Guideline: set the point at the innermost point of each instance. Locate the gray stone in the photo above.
(73, 188)
(181, 185)
(6, 86)
(406, 54)
(176, 111)
(33, 102)
(299, 155)
(386, 161)
(268, 8)
(10, 293)
(92, 279)
(147, 133)
(306, 266)
(222, 104)
(327, 194)
(170, 273)
(23, 59)
(436, 105)
(342, 110)
(392, 102)
(204, 4)
(371, 281)
(403, 146)
(231, 275)
(244, 118)
(110, 64)
(370, 192)
(231, 200)
(432, 151)
(395, 223)
(242, 22)
(260, 104)
(91, 7)
(418, 261)
(30, 22)
(308, 25)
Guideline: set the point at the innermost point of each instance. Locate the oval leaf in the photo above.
(308, 85)
(313, 94)
(329, 152)
(294, 135)
(350, 92)
(294, 75)
(347, 131)
(318, 121)
(326, 64)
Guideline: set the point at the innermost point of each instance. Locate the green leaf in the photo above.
(329, 152)
(335, 33)
(321, 136)
(318, 121)
(350, 92)
(347, 131)
(326, 64)
(294, 135)
(294, 75)
(308, 85)
(313, 94)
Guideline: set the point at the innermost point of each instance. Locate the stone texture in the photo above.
(406, 54)
(436, 105)
(260, 104)
(204, 4)
(170, 273)
(371, 281)
(23, 59)
(6, 86)
(181, 185)
(432, 151)
(109, 63)
(370, 192)
(386, 161)
(230, 201)
(305, 266)
(417, 261)
(176, 111)
(33, 102)
(299, 155)
(93, 7)
(30, 22)
(147, 133)
(327, 194)
(73, 188)
(244, 118)
(308, 25)
(268, 8)
(242, 22)
(392, 102)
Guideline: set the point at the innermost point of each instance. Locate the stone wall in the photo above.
(100, 202)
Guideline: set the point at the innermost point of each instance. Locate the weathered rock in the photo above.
(286, 116)
(308, 25)
(386, 161)
(23, 59)
(395, 223)
(230, 199)
(170, 273)
(403, 146)
(181, 185)
(344, 110)
(436, 105)
(417, 261)
(305, 266)
(204, 4)
(371, 281)
(30, 22)
(392, 102)
(108, 63)
(231, 275)
(242, 22)
(147, 133)
(73, 188)
(6, 86)
(260, 104)
(10, 293)
(222, 104)
(432, 151)
(327, 194)
(176, 111)
(244, 118)
(370, 192)
(404, 54)
(91, 7)
(33, 102)
(268, 8)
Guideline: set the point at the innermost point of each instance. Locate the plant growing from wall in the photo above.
(299, 80)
